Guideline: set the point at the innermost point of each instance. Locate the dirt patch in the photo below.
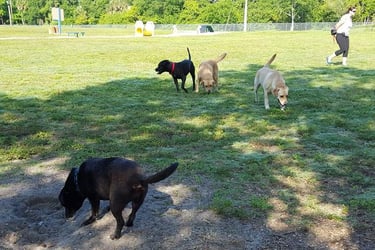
(173, 216)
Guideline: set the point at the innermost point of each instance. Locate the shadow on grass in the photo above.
(306, 169)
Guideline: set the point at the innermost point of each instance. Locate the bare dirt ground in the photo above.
(173, 216)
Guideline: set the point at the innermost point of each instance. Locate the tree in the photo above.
(118, 12)
(223, 11)
(158, 11)
(366, 11)
(93, 9)
(264, 11)
(186, 11)
(190, 12)
(3, 11)
(21, 7)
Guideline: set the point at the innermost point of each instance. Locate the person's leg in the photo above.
(340, 38)
(346, 51)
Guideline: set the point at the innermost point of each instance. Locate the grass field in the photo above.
(99, 95)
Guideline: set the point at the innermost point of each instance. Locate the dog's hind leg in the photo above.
(116, 209)
(135, 206)
(195, 85)
(192, 73)
(256, 87)
(183, 78)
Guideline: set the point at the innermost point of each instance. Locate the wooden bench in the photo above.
(76, 34)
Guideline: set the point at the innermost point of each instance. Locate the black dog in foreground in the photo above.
(178, 70)
(115, 179)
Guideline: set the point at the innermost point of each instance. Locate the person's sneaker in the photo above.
(328, 61)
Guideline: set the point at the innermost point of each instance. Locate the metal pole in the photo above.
(10, 11)
(59, 21)
(245, 17)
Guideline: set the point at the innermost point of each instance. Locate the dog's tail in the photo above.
(221, 57)
(270, 61)
(189, 53)
(162, 174)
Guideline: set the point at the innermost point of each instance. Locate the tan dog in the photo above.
(272, 82)
(208, 74)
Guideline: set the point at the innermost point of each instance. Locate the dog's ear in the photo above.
(276, 91)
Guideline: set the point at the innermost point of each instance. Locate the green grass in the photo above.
(100, 96)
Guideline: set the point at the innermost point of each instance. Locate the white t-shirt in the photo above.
(344, 24)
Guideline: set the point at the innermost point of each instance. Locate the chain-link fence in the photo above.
(260, 26)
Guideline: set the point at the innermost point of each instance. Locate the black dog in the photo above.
(178, 70)
(115, 179)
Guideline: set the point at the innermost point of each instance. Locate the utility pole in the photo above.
(245, 17)
(10, 12)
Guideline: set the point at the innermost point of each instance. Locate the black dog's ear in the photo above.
(69, 184)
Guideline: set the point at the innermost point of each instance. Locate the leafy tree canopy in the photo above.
(183, 11)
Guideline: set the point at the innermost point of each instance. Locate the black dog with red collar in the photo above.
(179, 70)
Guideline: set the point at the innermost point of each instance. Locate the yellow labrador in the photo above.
(272, 82)
(208, 74)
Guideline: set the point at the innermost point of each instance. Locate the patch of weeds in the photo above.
(333, 140)
(257, 172)
(225, 206)
(359, 179)
(330, 170)
(260, 204)
(288, 172)
(222, 172)
(365, 201)
(363, 130)
(335, 217)
(306, 130)
(289, 198)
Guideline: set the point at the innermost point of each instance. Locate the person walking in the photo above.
(342, 36)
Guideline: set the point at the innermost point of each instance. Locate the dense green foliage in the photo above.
(182, 11)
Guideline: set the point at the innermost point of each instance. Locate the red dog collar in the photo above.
(172, 70)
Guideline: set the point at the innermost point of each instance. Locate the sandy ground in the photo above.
(173, 216)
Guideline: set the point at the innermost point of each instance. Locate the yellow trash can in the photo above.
(139, 28)
(149, 29)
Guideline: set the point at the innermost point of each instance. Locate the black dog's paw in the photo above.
(115, 236)
(129, 223)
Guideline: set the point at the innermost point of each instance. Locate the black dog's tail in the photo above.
(189, 53)
(162, 174)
